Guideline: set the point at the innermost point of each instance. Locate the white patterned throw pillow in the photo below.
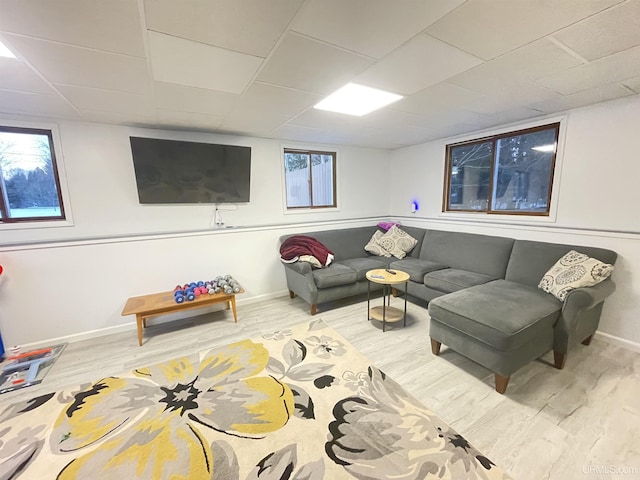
(374, 247)
(572, 271)
(397, 242)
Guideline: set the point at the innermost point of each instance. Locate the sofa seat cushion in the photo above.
(363, 265)
(505, 315)
(416, 268)
(451, 279)
(334, 276)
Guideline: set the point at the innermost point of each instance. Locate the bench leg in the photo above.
(501, 383)
(587, 341)
(139, 321)
(233, 307)
(314, 309)
(559, 359)
(435, 346)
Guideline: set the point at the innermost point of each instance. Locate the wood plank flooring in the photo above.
(566, 424)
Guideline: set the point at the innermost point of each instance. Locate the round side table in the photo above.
(386, 313)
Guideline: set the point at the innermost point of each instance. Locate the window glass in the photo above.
(28, 176)
(309, 179)
(510, 173)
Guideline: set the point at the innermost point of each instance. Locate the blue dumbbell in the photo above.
(179, 297)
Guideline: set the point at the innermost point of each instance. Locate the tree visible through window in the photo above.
(29, 185)
(510, 173)
(310, 178)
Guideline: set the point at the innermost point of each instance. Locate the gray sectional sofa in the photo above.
(482, 292)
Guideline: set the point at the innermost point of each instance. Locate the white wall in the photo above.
(62, 281)
(595, 198)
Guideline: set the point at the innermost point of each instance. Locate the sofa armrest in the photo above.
(580, 314)
(299, 267)
(586, 297)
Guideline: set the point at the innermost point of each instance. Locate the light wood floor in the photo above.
(551, 424)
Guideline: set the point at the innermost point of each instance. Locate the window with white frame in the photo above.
(510, 173)
(29, 181)
(310, 178)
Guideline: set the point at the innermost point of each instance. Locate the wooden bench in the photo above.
(146, 306)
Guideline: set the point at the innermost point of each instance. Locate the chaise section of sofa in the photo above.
(506, 323)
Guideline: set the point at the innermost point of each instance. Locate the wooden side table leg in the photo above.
(233, 306)
(139, 321)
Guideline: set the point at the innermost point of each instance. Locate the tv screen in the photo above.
(172, 171)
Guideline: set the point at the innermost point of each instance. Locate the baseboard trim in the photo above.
(131, 326)
(620, 342)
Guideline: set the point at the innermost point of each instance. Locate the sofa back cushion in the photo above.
(349, 242)
(531, 260)
(467, 251)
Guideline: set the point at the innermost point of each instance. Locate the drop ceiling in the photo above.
(257, 67)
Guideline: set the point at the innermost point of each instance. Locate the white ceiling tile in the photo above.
(272, 98)
(370, 27)
(389, 118)
(582, 98)
(606, 33)
(614, 68)
(301, 134)
(510, 98)
(136, 119)
(489, 28)
(255, 122)
(448, 131)
(188, 120)
(61, 63)
(180, 61)
(437, 98)
(419, 63)
(403, 134)
(510, 115)
(35, 104)
(451, 117)
(521, 66)
(323, 119)
(169, 96)
(633, 84)
(306, 64)
(112, 26)
(86, 99)
(16, 75)
(249, 26)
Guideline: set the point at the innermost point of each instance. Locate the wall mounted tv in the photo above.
(172, 171)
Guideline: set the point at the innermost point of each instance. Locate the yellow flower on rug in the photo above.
(149, 426)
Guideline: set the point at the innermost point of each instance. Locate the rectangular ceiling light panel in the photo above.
(5, 52)
(354, 99)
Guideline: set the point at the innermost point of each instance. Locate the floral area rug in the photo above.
(300, 403)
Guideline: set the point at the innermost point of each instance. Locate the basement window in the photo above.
(508, 174)
(29, 181)
(310, 179)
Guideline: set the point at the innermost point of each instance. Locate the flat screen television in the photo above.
(173, 171)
